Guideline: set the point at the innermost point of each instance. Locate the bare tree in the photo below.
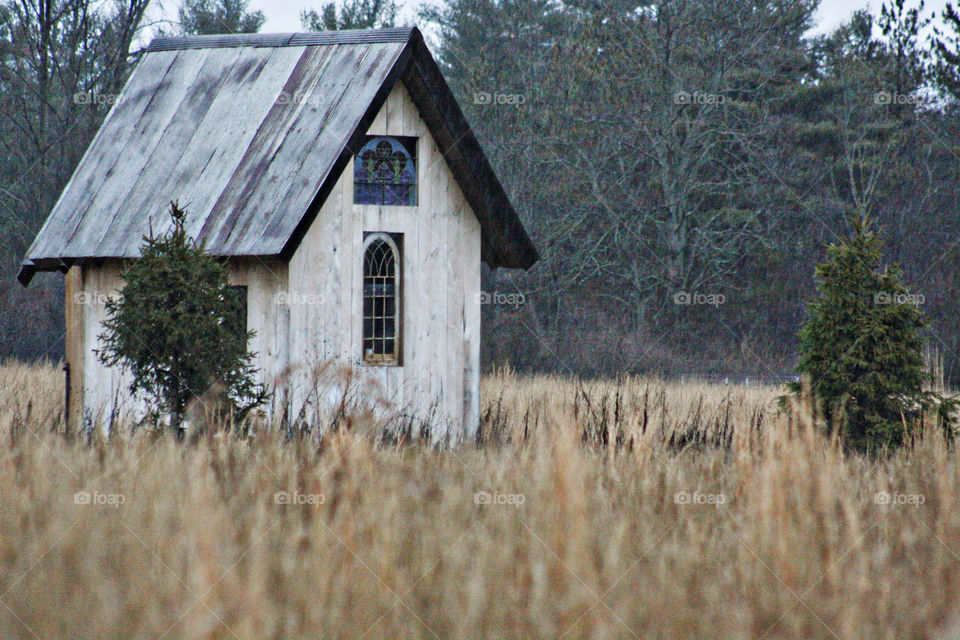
(61, 62)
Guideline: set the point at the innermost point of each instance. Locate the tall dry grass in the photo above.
(623, 509)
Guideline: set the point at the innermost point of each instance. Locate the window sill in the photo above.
(380, 363)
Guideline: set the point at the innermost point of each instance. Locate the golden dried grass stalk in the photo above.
(635, 508)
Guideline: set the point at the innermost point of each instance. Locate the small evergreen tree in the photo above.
(176, 327)
(861, 347)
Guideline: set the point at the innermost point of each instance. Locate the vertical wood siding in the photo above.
(104, 390)
(309, 312)
(439, 378)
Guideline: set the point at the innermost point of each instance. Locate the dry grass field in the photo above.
(631, 509)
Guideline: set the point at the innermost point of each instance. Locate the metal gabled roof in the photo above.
(249, 133)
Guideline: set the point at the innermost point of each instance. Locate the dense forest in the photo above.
(681, 164)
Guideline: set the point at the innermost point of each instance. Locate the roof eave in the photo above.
(25, 275)
(30, 267)
(509, 244)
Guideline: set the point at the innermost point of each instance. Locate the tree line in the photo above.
(681, 164)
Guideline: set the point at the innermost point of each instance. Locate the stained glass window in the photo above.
(385, 172)
(381, 308)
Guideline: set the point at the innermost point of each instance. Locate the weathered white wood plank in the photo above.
(105, 389)
(379, 125)
(456, 240)
(345, 276)
(329, 263)
(437, 270)
(471, 298)
(264, 280)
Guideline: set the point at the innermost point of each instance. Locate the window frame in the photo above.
(410, 144)
(395, 243)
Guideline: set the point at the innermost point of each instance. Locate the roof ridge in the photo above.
(347, 36)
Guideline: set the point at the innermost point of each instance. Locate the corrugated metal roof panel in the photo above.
(229, 133)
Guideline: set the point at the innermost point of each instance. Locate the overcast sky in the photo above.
(284, 15)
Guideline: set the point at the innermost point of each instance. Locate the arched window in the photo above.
(385, 172)
(381, 298)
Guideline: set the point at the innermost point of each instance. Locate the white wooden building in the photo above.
(338, 178)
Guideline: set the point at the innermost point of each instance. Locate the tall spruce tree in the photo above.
(861, 346)
(176, 328)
